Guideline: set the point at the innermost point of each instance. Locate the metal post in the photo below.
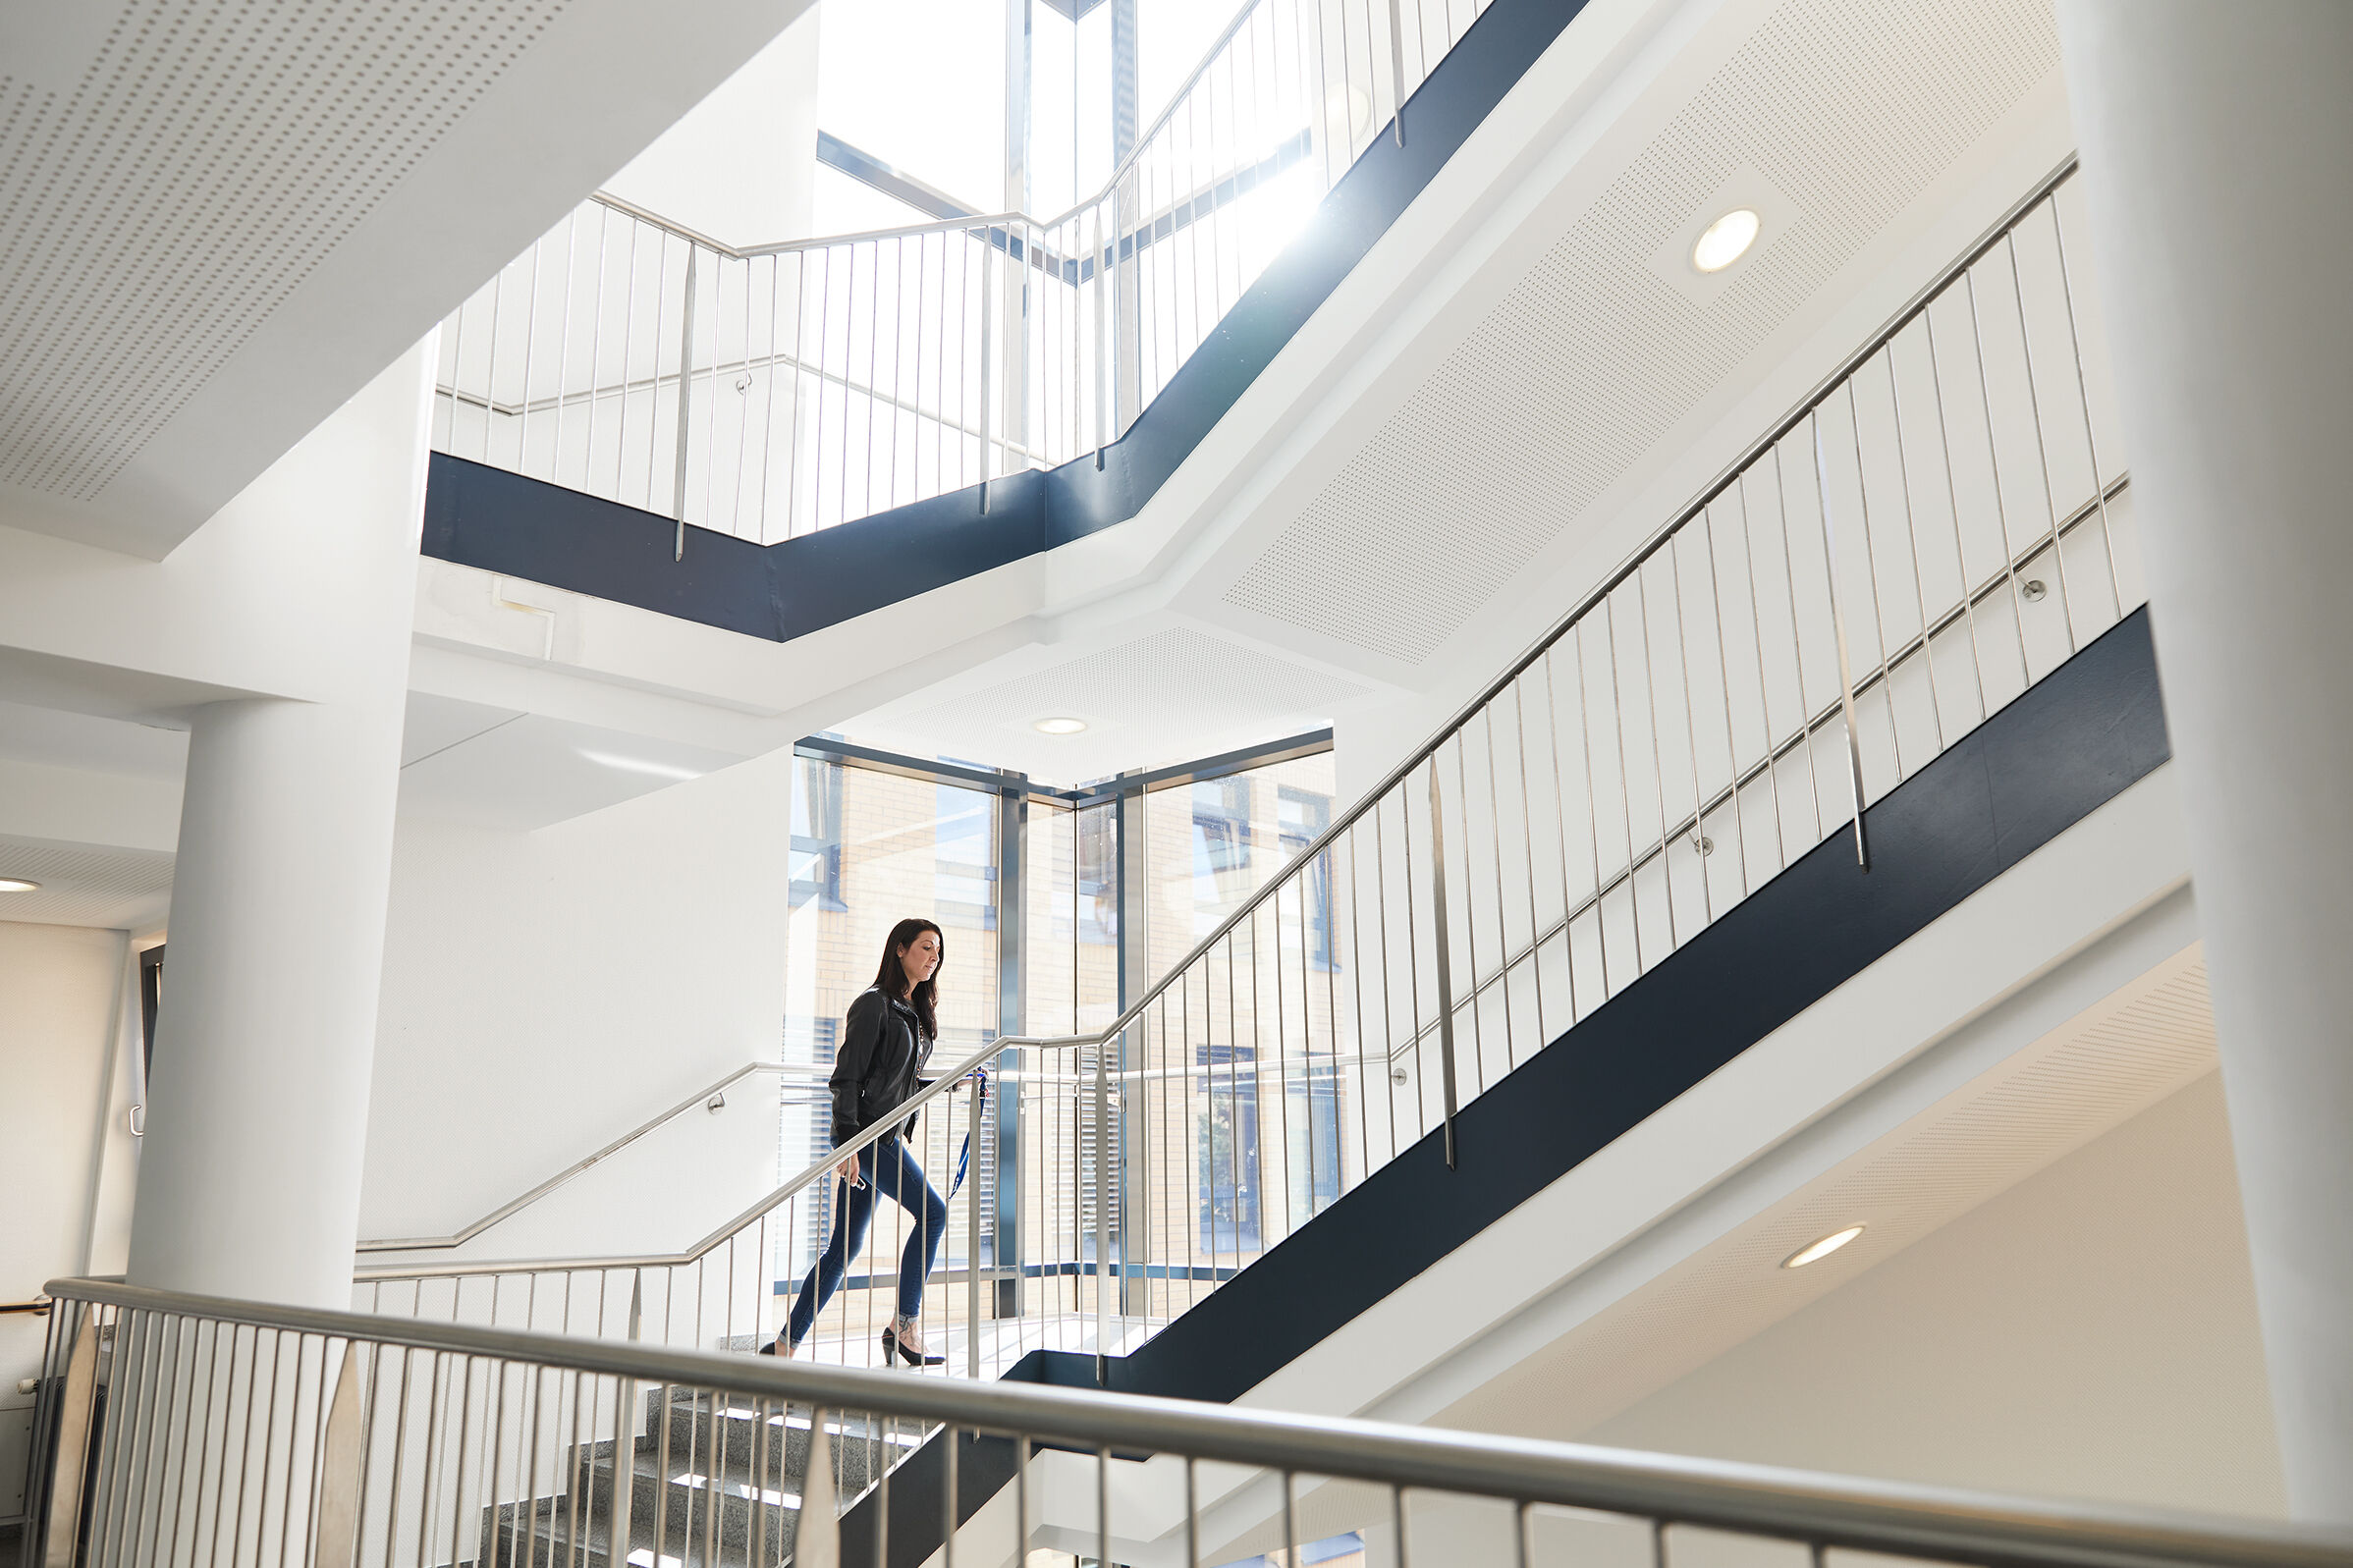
(1397, 68)
(1846, 680)
(677, 502)
(1005, 1251)
(1446, 977)
(1130, 884)
(972, 1318)
(1020, 22)
(1102, 1203)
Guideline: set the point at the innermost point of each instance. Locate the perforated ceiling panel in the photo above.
(155, 211)
(82, 885)
(2093, 1074)
(1848, 107)
(1170, 687)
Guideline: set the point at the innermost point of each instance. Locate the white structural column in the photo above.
(250, 1178)
(2217, 142)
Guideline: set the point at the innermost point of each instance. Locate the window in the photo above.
(1221, 849)
(1313, 1124)
(1098, 897)
(1227, 1144)
(1304, 815)
(816, 864)
(964, 874)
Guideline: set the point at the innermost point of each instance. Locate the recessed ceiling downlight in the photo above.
(1821, 1248)
(19, 884)
(1061, 724)
(1726, 240)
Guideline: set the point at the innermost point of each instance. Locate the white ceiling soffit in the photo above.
(86, 885)
(2096, 1072)
(1847, 109)
(1169, 696)
(501, 768)
(217, 221)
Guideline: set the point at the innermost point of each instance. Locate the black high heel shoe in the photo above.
(891, 1347)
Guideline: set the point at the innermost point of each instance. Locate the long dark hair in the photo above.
(891, 978)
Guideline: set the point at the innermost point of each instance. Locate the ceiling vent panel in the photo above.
(156, 210)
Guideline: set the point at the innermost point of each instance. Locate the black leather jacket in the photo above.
(879, 1066)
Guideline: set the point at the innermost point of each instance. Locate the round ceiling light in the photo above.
(19, 884)
(1061, 725)
(1726, 239)
(1821, 1248)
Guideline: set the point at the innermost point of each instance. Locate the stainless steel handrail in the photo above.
(695, 1101)
(1820, 1510)
(947, 1080)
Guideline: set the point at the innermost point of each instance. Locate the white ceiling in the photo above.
(504, 768)
(1588, 359)
(2106, 1065)
(86, 885)
(217, 221)
(1519, 405)
(57, 738)
(1169, 696)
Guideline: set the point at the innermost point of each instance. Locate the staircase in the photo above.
(712, 1479)
(1811, 717)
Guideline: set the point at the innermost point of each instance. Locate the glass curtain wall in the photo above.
(871, 848)
(1249, 1145)
(1206, 1168)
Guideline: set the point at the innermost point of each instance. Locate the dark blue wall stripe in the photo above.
(2071, 744)
(482, 516)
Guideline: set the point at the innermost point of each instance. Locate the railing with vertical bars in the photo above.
(190, 1429)
(1942, 522)
(773, 390)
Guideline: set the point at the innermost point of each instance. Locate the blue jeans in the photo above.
(894, 1174)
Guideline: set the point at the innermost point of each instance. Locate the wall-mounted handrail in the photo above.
(514, 1206)
(774, 1200)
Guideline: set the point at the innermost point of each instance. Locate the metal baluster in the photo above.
(1446, 983)
(572, 240)
(1723, 675)
(1911, 528)
(1879, 613)
(1639, 582)
(1797, 643)
(1625, 780)
(530, 336)
(1396, 69)
(1847, 684)
(596, 333)
(2001, 510)
(2034, 409)
(1699, 789)
(498, 291)
(654, 415)
(1527, 819)
(677, 502)
(2083, 392)
(988, 371)
(1952, 504)
(1503, 928)
(628, 335)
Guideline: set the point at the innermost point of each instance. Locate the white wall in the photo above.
(546, 992)
(64, 1078)
(741, 165)
(2089, 1334)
